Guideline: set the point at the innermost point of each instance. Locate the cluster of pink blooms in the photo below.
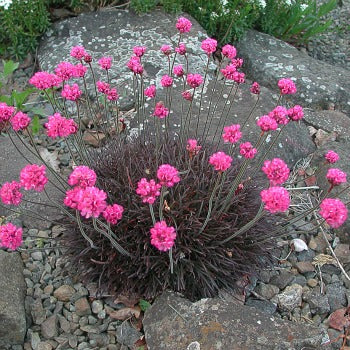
(287, 87)
(276, 170)
(221, 161)
(178, 71)
(255, 88)
(247, 150)
(209, 45)
(229, 72)
(148, 190)
(65, 70)
(168, 175)
(10, 236)
(229, 51)
(192, 147)
(58, 126)
(181, 49)
(105, 88)
(6, 112)
(166, 81)
(296, 113)
(91, 201)
(139, 51)
(183, 25)
(276, 199)
(44, 80)
(163, 236)
(71, 93)
(232, 133)
(113, 213)
(331, 157)
(82, 176)
(105, 62)
(79, 71)
(166, 49)
(78, 52)
(238, 62)
(333, 211)
(10, 193)
(187, 95)
(151, 91)
(335, 176)
(266, 123)
(33, 176)
(134, 64)
(194, 80)
(279, 114)
(20, 121)
(160, 110)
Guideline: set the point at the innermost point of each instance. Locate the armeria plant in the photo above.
(174, 207)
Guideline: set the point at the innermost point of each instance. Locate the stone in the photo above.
(342, 251)
(336, 294)
(49, 328)
(290, 298)
(97, 306)
(34, 339)
(73, 341)
(267, 291)
(64, 293)
(282, 280)
(48, 289)
(304, 266)
(319, 84)
(318, 302)
(262, 305)
(82, 307)
(217, 324)
(127, 334)
(12, 297)
(311, 282)
(37, 312)
(44, 346)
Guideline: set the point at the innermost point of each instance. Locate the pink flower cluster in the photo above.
(331, 157)
(178, 71)
(187, 95)
(160, 110)
(134, 64)
(266, 123)
(280, 114)
(276, 199)
(151, 91)
(33, 177)
(166, 49)
(209, 45)
(6, 112)
(10, 194)
(44, 80)
(183, 25)
(229, 51)
(105, 88)
(105, 62)
(221, 161)
(247, 150)
(192, 147)
(194, 80)
(296, 113)
(334, 212)
(113, 213)
(20, 121)
(335, 176)
(82, 176)
(71, 93)
(232, 133)
(10, 236)
(65, 70)
(163, 236)
(166, 81)
(255, 88)
(91, 201)
(58, 126)
(168, 175)
(229, 72)
(139, 51)
(181, 49)
(287, 87)
(78, 52)
(276, 170)
(148, 190)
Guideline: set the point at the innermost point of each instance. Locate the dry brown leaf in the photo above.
(338, 320)
(50, 158)
(126, 313)
(128, 300)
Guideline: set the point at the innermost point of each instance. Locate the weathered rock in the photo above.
(282, 280)
(49, 328)
(319, 84)
(64, 293)
(216, 324)
(262, 305)
(342, 251)
(12, 294)
(82, 307)
(318, 302)
(336, 296)
(305, 266)
(37, 312)
(44, 346)
(290, 298)
(267, 291)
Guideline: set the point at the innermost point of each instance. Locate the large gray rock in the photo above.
(174, 323)
(12, 294)
(319, 84)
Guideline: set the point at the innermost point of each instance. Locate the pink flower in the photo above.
(178, 71)
(334, 212)
(151, 91)
(238, 62)
(296, 113)
(113, 95)
(166, 49)
(331, 157)
(87, 58)
(10, 194)
(167, 175)
(247, 150)
(92, 202)
(148, 190)
(10, 236)
(192, 147)
(221, 161)
(44, 80)
(162, 236)
(73, 197)
(79, 71)
(280, 115)
(255, 88)
(232, 133)
(187, 95)
(78, 52)
(134, 64)
(276, 199)
(160, 110)
(335, 176)
(65, 70)
(287, 87)
(103, 87)
(105, 62)
(239, 77)
(183, 25)
(20, 121)
(139, 51)
(266, 123)
(166, 81)
(58, 126)
(181, 49)
(33, 177)
(276, 170)
(228, 71)
(229, 51)
(209, 45)
(6, 112)
(113, 213)
(71, 93)
(194, 80)
(82, 176)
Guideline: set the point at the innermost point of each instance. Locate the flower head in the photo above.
(280, 114)
(44, 80)
(151, 91)
(166, 81)
(10, 194)
(221, 161)
(266, 123)
(287, 87)
(71, 93)
(33, 177)
(194, 80)
(162, 236)
(296, 113)
(334, 212)
(103, 87)
(82, 176)
(276, 199)
(229, 51)
(209, 45)
(58, 126)
(247, 150)
(134, 64)
(139, 51)
(78, 52)
(79, 70)
(335, 176)
(160, 110)
(255, 88)
(92, 202)
(232, 133)
(276, 170)
(6, 112)
(238, 62)
(181, 49)
(187, 95)
(10, 236)
(183, 25)
(192, 147)
(113, 213)
(105, 62)
(228, 71)
(178, 71)
(331, 157)
(20, 121)
(166, 49)
(87, 58)
(167, 175)
(148, 190)
(65, 70)
(73, 197)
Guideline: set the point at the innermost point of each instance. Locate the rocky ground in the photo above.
(305, 287)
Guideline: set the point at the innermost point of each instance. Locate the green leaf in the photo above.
(144, 305)
(9, 67)
(38, 111)
(21, 97)
(6, 99)
(35, 125)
